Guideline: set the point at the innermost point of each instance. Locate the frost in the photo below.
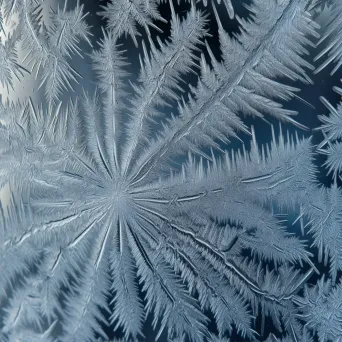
(101, 239)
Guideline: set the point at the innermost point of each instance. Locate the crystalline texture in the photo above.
(99, 234)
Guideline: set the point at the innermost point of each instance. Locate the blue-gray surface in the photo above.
(170, 171)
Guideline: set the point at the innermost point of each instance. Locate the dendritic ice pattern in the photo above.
(182, 201)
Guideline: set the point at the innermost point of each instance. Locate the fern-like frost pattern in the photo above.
(152, 203)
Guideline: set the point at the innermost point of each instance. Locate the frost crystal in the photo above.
(131, 204)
